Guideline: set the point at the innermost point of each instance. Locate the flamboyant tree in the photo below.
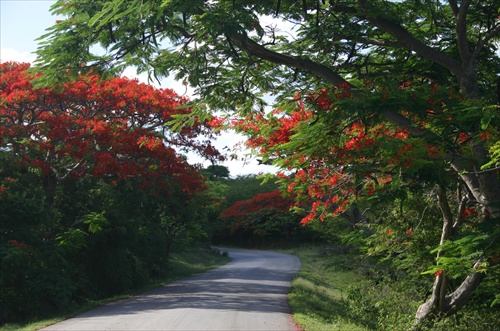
(114, 129)
(94, 192)
(350, 157)
(235, 51)
(266, 216)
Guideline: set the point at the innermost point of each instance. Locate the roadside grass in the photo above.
(332, 292)
(182, 264)
(318, 295)
(338, 291)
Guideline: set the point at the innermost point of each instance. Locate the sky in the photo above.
(23, 21)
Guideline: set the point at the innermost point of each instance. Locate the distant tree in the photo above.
(245, 187)
(264, 219)
(216, 172)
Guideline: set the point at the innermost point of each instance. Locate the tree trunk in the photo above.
(485, 188)
(446, 305)
(49, 183)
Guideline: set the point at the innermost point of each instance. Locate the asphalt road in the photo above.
(249, 293)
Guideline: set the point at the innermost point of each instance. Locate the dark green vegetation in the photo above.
(181, 264)
(370, 277)
(97, 240)
(364, 276)
(255, 214)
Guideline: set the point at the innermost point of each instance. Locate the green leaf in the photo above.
(485, 121)
(72, 239)
(96, 222)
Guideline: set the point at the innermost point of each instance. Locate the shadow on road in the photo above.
(245, 284)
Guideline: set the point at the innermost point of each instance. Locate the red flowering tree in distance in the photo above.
(264, 216)
(114, 129)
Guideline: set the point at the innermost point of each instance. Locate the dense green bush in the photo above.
(97, 238)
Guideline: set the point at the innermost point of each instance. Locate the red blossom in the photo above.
(330, 171)
(469, 212)
(371, 189)
(462, 138)
(217, 122)
(107, 128)
(241, 211)
(308, 219)
(484, 135)
(405, 84)
(433, 151)
(315, 206)
(21, 245)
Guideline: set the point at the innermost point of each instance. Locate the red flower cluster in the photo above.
(21, 245)
(115, 128)
(469, 212)
(338, 141)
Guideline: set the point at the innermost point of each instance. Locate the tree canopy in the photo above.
(114, 129)
(94, 191)
(298, 45)
(371, 96)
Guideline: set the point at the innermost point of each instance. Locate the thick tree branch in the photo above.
(254, 49)
(410, 42)
(427, 308)
(460, 219)
(461, 31)
(404, 38)
(379, 42)
(459, 164)
(447, 215)
(458, 298)
(479, 185)
(406, 124)
(454, 6)
(463, 69)
(484, 171)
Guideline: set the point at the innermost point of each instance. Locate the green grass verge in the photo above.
(182, 264)
(339, 291)
(333, 292)
(318, 295)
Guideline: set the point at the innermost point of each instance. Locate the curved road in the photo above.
(249, 293)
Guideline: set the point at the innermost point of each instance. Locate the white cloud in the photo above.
(9, 54)
(168, 82)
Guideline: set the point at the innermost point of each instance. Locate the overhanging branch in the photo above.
(254, 49)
